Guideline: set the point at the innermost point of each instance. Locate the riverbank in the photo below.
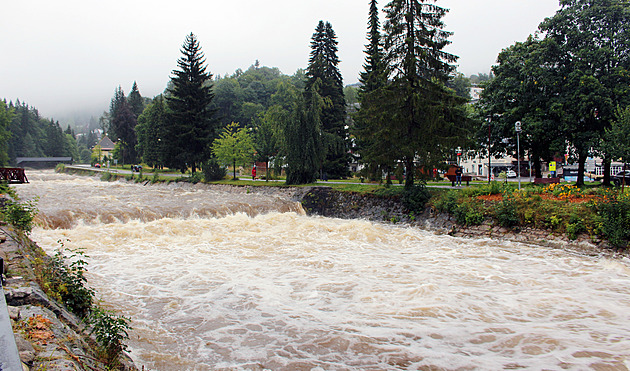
(47, 335)
(330, 203)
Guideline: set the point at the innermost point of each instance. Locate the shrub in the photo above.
(615, 217)
(60, 168)
(574, 229)
(156, 177)
(416, 197)
(106, 176)
(20, 214)
(468, 213)
(505, 212)
(212, 171)
(196, 177)
(67, 283)
(110, 332)
(448, 202)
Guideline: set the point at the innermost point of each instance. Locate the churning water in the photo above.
(218, 279)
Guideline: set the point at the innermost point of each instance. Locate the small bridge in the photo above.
(13, 175)
(42, 162)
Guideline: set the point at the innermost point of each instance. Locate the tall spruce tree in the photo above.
(151, 132)
(373, 153)
(135, 100)
(192, 128)
(6, 115)
(124, 124)
(425, 117)
(374, 75)
(324, 78)
(114, 106)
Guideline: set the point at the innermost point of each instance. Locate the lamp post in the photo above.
(489, 119)
(517, 127)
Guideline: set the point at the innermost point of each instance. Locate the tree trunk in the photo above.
(607, 164)
(537, 167)
(409, 166)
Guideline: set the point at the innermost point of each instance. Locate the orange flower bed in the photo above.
(545, 196)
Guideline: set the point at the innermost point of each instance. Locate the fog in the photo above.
(67, 56)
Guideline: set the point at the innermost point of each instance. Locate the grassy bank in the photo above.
(601, 213)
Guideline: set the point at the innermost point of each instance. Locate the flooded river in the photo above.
(225, 279)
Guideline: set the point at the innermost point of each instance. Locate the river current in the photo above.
(226, 279)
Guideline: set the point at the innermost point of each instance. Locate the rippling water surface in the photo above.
(225, 279)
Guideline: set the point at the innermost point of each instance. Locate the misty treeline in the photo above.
(24, 133)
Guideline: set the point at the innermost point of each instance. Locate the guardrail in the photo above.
(9, 355)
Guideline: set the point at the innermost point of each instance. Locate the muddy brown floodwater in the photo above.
(225, 279)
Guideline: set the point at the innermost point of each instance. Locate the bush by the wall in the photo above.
(505, 212)
(615, 217)
(212, 171)
(416, 197)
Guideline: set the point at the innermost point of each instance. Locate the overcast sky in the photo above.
(69, 55)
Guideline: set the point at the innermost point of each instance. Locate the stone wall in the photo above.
(327, 202)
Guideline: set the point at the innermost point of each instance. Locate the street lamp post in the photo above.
(489, 157)
(517, 127)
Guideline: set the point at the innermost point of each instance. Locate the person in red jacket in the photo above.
(254, 173)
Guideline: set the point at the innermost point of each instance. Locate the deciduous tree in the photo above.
(589, 55)
(304, 147)
(233, 146)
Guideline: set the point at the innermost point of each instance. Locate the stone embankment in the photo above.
(48, 337)
(327, 202)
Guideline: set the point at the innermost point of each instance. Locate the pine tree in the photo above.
(371, 147)
(6, 115)
(189, 97)
(135, 100)
(426, 117)
(124, 124)
(151, 132)
(114, 106)
(324, 78)
(374, 75)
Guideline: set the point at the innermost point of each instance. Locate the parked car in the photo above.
(511, 174)
(618, 178)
